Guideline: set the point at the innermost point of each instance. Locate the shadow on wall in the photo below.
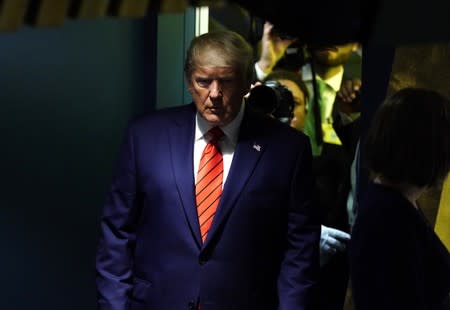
(66, 95)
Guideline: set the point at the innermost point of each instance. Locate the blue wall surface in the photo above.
(66, 94)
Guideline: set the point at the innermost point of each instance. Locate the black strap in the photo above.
(315, 105)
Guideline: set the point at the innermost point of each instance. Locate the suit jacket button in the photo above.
(191, 305)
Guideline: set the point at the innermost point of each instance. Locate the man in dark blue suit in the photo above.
(256, 243)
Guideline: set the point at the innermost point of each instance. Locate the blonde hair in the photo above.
(222, 48)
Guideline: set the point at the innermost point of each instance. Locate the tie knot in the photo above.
(215, 134)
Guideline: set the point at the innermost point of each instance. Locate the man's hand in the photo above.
(251, 87)
(272, 48)
(348, 95)
(331, 241)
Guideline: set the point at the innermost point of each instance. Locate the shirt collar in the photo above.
(334, 82)
(231, 130)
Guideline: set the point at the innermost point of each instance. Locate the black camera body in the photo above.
(294, 58)
(273, 99)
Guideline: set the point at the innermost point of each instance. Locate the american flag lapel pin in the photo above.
(257, 147)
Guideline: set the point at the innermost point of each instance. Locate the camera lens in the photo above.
(273, 99)
(263, 99)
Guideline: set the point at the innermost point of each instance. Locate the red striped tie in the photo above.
(208, 188)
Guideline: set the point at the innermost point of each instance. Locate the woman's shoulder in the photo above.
(379, 198)
(382, 211)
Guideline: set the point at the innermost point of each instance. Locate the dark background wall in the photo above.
(66, 94)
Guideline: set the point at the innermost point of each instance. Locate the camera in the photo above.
(282, 35)
(294, 58)
(273, 99)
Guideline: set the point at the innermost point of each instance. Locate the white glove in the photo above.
(331, 241)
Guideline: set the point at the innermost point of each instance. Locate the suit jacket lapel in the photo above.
(246, 156)
(181, 140)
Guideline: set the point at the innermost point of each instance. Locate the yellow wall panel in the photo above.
(48, 12)
(88, 8)
(12, 14)
(130, 8)
(442, 226)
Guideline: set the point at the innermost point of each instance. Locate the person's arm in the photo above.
(117, 234)
(347, 121)
(272, 49)
(300, 266)
(348, 100)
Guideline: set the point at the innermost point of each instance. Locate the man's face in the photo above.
(217, 92)
(333, 55)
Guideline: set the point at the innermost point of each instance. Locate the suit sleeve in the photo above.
(300, 266)
(117, 233)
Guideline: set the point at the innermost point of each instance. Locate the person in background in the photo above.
(294, 84)
(396, 259)
(332, 124)
(210, 207)
(332, 240)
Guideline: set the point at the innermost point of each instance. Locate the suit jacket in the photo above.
(396, 259)
(262, 249)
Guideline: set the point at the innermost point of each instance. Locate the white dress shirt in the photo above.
(227, 143)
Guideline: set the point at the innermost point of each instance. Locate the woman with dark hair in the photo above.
(396, 259)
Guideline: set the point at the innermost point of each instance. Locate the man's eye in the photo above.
(203, 82)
